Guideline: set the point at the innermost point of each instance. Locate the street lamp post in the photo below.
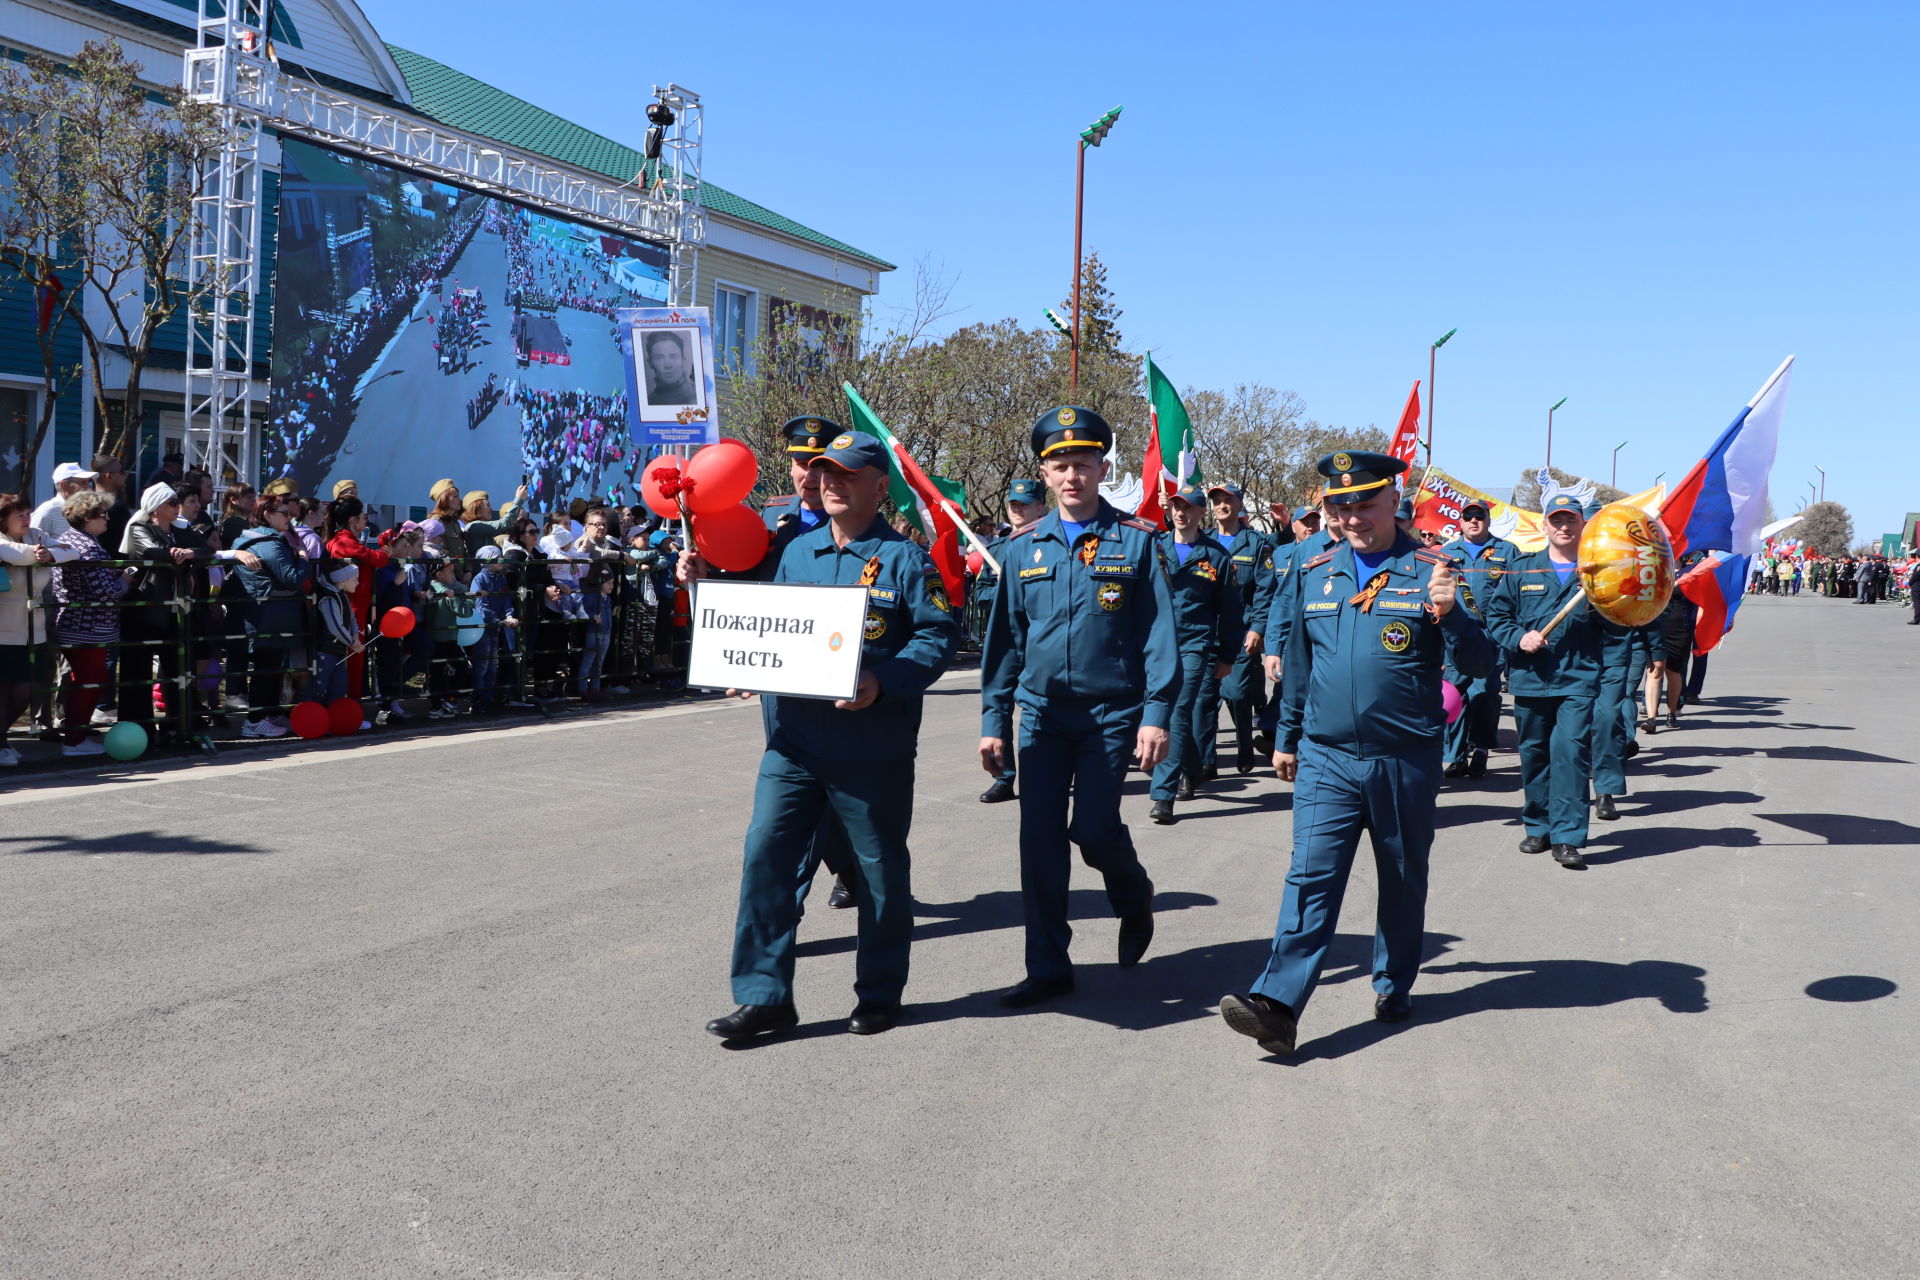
(1616, 461)
(1556, 404)
(1089, 137)
(1433, 352)
(1823, 481)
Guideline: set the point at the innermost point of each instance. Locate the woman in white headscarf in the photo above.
(149, 627)
(26, 555)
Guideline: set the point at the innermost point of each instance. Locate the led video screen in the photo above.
(422, 330)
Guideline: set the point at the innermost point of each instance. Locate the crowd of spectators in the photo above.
(167, 613)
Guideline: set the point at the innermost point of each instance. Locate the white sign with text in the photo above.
(791, 638)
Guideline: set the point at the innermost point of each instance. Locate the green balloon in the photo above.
(126, 741)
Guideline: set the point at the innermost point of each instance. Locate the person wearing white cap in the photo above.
(69, 478)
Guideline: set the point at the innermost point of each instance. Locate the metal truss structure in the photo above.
(232, 69)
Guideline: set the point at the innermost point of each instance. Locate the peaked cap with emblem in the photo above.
(809, 435)
(1071, 427)
(1353, 476)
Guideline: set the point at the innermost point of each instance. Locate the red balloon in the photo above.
(309, 720)
(659, 485)
(734, 539)
(720, 476)
(344, 716)
(396, 622)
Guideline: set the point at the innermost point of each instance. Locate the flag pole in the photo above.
(973, 539)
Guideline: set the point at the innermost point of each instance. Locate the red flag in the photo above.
(1406, 436)
(1152, 474)
(50, 291)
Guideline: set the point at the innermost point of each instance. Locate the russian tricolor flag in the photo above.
(1722, 503)
(1717, 584)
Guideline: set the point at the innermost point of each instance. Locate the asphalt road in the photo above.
(433, 1008)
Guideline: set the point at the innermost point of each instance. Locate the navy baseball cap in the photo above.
(1474, 504)
(1191, 494)
(1227, 487)
(1565, 502)
(1306, 513)
(1026, 491)
(853, 451)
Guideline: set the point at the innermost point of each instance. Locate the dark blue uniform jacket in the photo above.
(1525, 599)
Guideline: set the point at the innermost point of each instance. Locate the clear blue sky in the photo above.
(1642, 207)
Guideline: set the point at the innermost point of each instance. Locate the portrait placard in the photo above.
(670, 387)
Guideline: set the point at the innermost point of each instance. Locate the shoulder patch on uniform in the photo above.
(1431, 556)
(1318, 560)
(1023, 533)
(1134, 522)
(780, 501)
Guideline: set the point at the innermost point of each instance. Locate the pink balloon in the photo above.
(1451, 701)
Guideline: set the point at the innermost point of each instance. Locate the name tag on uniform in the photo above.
(1533, 586)
(1104, 570)
(882, 595)
(1323, 606)
(1036, 571)
(1399, 606)
(1246, 559)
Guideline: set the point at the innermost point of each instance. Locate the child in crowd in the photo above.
(337, 632)
(451, 606)
(493, 591)
(392, 589)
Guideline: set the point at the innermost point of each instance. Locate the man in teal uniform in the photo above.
(854, 757)
(1208, 630)
(1245, 687)
(1081, 638)
(1360, 724)
(1481, 558)
(1026, 503)
(1554, 679)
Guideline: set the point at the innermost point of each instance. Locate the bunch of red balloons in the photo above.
(340, 717)
(709, 489)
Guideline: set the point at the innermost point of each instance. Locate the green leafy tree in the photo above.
(101, 173)
(1099, 313)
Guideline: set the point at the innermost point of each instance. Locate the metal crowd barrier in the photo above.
(537, 665)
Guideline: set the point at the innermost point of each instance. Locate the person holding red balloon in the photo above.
(786, 517)
(854, 757)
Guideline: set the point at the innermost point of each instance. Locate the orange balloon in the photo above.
(1626, 565)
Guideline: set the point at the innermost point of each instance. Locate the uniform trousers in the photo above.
(1611, 708)
(873, 800)
(1335, 797)
(1074, 751)
(1556, 754)
(1199, 696)
(1477, 727)
(1245, 693)
(829, 846)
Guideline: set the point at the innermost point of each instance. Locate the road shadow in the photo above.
(1827, 755)
(1449, 816)
(1001, 909)
(1530, 984)
(1649, 803)
(1653, 842)
(124, 842)
(1668, 771)
(1852, 988)
(1848, 828)
(1798, 726)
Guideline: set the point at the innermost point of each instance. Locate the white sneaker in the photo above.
(102, 716)
(9, 757)
(87, 748)
(267, 728)
(234, 702)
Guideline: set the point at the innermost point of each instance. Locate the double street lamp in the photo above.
(1091, 136)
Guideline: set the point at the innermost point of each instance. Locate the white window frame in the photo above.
(34, 389)
(752, 328)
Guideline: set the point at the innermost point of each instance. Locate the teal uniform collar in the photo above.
(1103, 523)
(877, 533)
(1400, 561)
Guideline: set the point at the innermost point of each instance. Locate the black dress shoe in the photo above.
(1392, 1007)
(1262, 744)
(1534, 844)
(1454, 769)
(1185, 790)
(1673, 719)
(1209, 773)
(1649, 725)
(1243, 758)
(1569, 857)
(1136, 935)
(1036, 991)
(754, 1020)
(1000, 792)
(871, 1017)
(1270, 1023)
(1603, 809)
(1162, 812)
(1477, 767)
(842, 896)
(1633, 749)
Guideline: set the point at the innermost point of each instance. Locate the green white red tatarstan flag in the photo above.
(1171, 459)
(920, 498)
